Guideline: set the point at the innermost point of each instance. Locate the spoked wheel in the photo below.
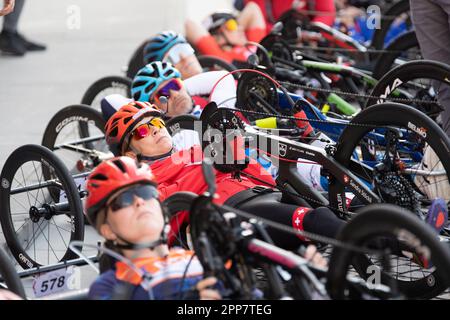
(257, 93)
(9, 275)
(76, 135)
(397, 236)
(422, 84)
(398, 13)
(104, 87)
(176, 206)
(403, 49)
(394, 151)
(40, 207)
(405, 157)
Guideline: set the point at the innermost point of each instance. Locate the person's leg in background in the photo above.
(432, 24)
(431, 19)
(11, 42)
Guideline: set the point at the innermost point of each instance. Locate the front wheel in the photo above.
(384, 228)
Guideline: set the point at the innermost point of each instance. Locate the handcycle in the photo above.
(288, 152)
(222, 235)
(122, 84)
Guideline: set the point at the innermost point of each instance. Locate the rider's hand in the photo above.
(8, 7)
(204, 290)
(315, 257)
(8, 295)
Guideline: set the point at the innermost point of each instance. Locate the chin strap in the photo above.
(147, 159)
(138, 246)
(144, 245)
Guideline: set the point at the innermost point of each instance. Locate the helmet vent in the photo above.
(99, 176)
(120, 165)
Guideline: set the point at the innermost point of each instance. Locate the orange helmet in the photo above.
(121, 123)
(109, 177)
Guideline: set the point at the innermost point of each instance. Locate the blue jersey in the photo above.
(172, 277)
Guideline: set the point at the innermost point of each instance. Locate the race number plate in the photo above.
(57, 281)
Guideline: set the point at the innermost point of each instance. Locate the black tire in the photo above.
(9, 274)
(84, 120)
(95, 91)
(402, 75)
(137, 61)
(385, 220)
(394, 50)
(72, 211)
(74, 113)
(395, 10)
(176, 203)
(210, 63)
(386, 115)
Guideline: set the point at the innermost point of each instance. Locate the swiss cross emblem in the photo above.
(297, 221)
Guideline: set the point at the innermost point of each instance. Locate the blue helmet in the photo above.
(159, 45)
(150, 77)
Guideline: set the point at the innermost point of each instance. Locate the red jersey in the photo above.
(326, 10)
(182, 171)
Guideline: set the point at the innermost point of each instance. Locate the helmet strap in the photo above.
(148, 159)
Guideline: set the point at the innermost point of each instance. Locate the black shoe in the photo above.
(30, 46)
(11, 44)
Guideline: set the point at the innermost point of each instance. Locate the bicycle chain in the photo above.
(296, 118)
(357, 95)
(295, 47)
(306, 234)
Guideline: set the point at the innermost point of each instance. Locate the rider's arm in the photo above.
(203, 84)
(206, 44)
(205, 291)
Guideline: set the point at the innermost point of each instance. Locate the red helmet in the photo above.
(123, 121)
(109, 177)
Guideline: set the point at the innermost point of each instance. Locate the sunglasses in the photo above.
(178, 51)
(144, 129)
(126, 198)
(231, 25)
(174, 84)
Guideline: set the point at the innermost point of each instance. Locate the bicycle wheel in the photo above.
(76, 135)
(392, 13)
(388, 152)
(137, 61)
(422, 84)
(211, 63)
(174, 207)
(39, 215)
(104, 87)
(402, 49)
(9, 275)
(384, 227)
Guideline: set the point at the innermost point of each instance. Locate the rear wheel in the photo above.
(404, 48)
(393, 152)
(40, 207)
(104, 87)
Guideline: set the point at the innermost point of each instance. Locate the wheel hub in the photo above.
(34, 214)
